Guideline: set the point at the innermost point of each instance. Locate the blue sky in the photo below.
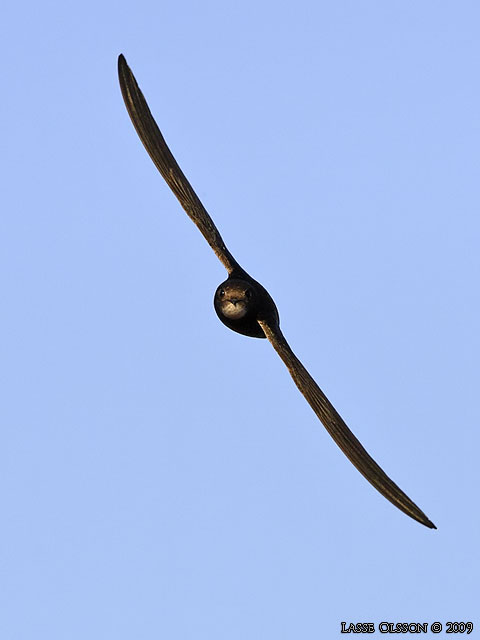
(161, 476)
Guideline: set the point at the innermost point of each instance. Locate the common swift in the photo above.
(245, 306)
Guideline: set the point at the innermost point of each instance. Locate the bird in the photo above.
(245, 306)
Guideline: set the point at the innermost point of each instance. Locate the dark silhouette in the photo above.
(243, 305)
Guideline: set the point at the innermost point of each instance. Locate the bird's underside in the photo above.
(245, 306)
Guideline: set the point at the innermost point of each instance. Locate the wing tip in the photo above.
(122, 64)
(422, 519)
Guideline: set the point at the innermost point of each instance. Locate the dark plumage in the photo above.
(245, 306)
(241, 302)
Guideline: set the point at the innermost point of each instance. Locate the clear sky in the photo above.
(160, 475)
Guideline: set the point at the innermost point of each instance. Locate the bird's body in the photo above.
(241, 301)
(245, 306)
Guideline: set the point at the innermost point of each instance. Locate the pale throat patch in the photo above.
(234, 310)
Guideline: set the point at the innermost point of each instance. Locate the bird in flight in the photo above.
(245, 306)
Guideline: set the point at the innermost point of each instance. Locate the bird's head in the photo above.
(234, 299)
(237, 303)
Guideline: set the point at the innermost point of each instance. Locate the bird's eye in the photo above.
(221, 293)
(248, 294)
